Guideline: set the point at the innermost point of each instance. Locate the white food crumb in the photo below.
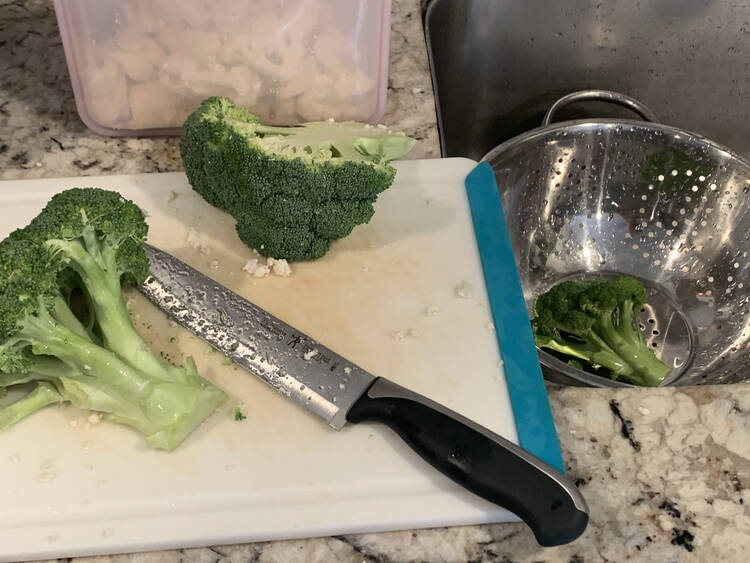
(432, 310)
(413, 333)
(198, 241)
(490, 326)
(365, 268)
(643, 410)
(347, 370)
(311, 354)
(172, 324)
(94, 418)
(279, 266)
(398, 334)
(416, 90)
(214, 264)
(73, 423)
(87, 426)
(129, 302)
(464, 290)
(255, 268)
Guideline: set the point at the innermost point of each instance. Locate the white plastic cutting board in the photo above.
(72, 488)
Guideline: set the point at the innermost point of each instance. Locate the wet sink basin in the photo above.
(497, 65)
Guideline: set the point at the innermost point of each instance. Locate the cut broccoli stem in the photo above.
(591, 349)
(47, 337)
(63, 315)
(43, 394)
(112, 314)
(627, 342)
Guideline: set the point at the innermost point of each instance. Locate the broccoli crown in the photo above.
(103, 221)
(28, 282)
(292, 190)
(594, 321)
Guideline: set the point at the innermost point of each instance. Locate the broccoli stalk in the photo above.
(594, 321)
(292, 190)
(42, 395)
(90, 239)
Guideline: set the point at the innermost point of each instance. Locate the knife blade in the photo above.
(337, 390)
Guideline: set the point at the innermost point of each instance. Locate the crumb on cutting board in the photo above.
(199, 241)
(464, 290)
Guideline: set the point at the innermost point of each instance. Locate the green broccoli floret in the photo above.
(593, 322)
(292, 190)
(88, 242)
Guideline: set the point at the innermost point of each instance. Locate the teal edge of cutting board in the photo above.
(528, 396)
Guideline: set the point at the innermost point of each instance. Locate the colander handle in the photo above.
(603, 96)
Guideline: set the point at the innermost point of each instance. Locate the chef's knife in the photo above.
(339, 392)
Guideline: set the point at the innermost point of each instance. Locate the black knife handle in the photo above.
(479, 460)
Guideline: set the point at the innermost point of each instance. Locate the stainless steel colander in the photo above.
(610, 197)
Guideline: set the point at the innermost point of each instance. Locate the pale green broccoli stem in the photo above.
(63, 315)
(103, 284)
(627, 342)
(593, 350)
(47, 337)
(42, 395)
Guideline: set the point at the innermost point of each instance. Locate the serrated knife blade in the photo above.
(296, 365)
(339, 391)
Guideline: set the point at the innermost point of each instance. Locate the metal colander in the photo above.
(612, 197)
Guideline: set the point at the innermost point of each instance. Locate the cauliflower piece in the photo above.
(199, 241)
(255, 268)
(192, 44)
(309, 78)
(280, 267)
(111, 109)
(330, 45)
(353, 83)
(245, 83)
(152, 105)
(100, 80)
(138, 56)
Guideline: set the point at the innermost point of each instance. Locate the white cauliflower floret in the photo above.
(192, 44)
(199, 241)
(100, 80)
(245, 83)
(111, 109)
(255, 268)
(280, 267)
(330, 45)
(354, 83)
(139, 56)
(144, 107)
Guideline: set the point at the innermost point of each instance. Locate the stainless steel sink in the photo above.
(497, 65)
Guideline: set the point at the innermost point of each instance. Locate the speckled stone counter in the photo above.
(666, 472)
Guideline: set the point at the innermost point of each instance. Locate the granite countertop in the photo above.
(666, 472)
